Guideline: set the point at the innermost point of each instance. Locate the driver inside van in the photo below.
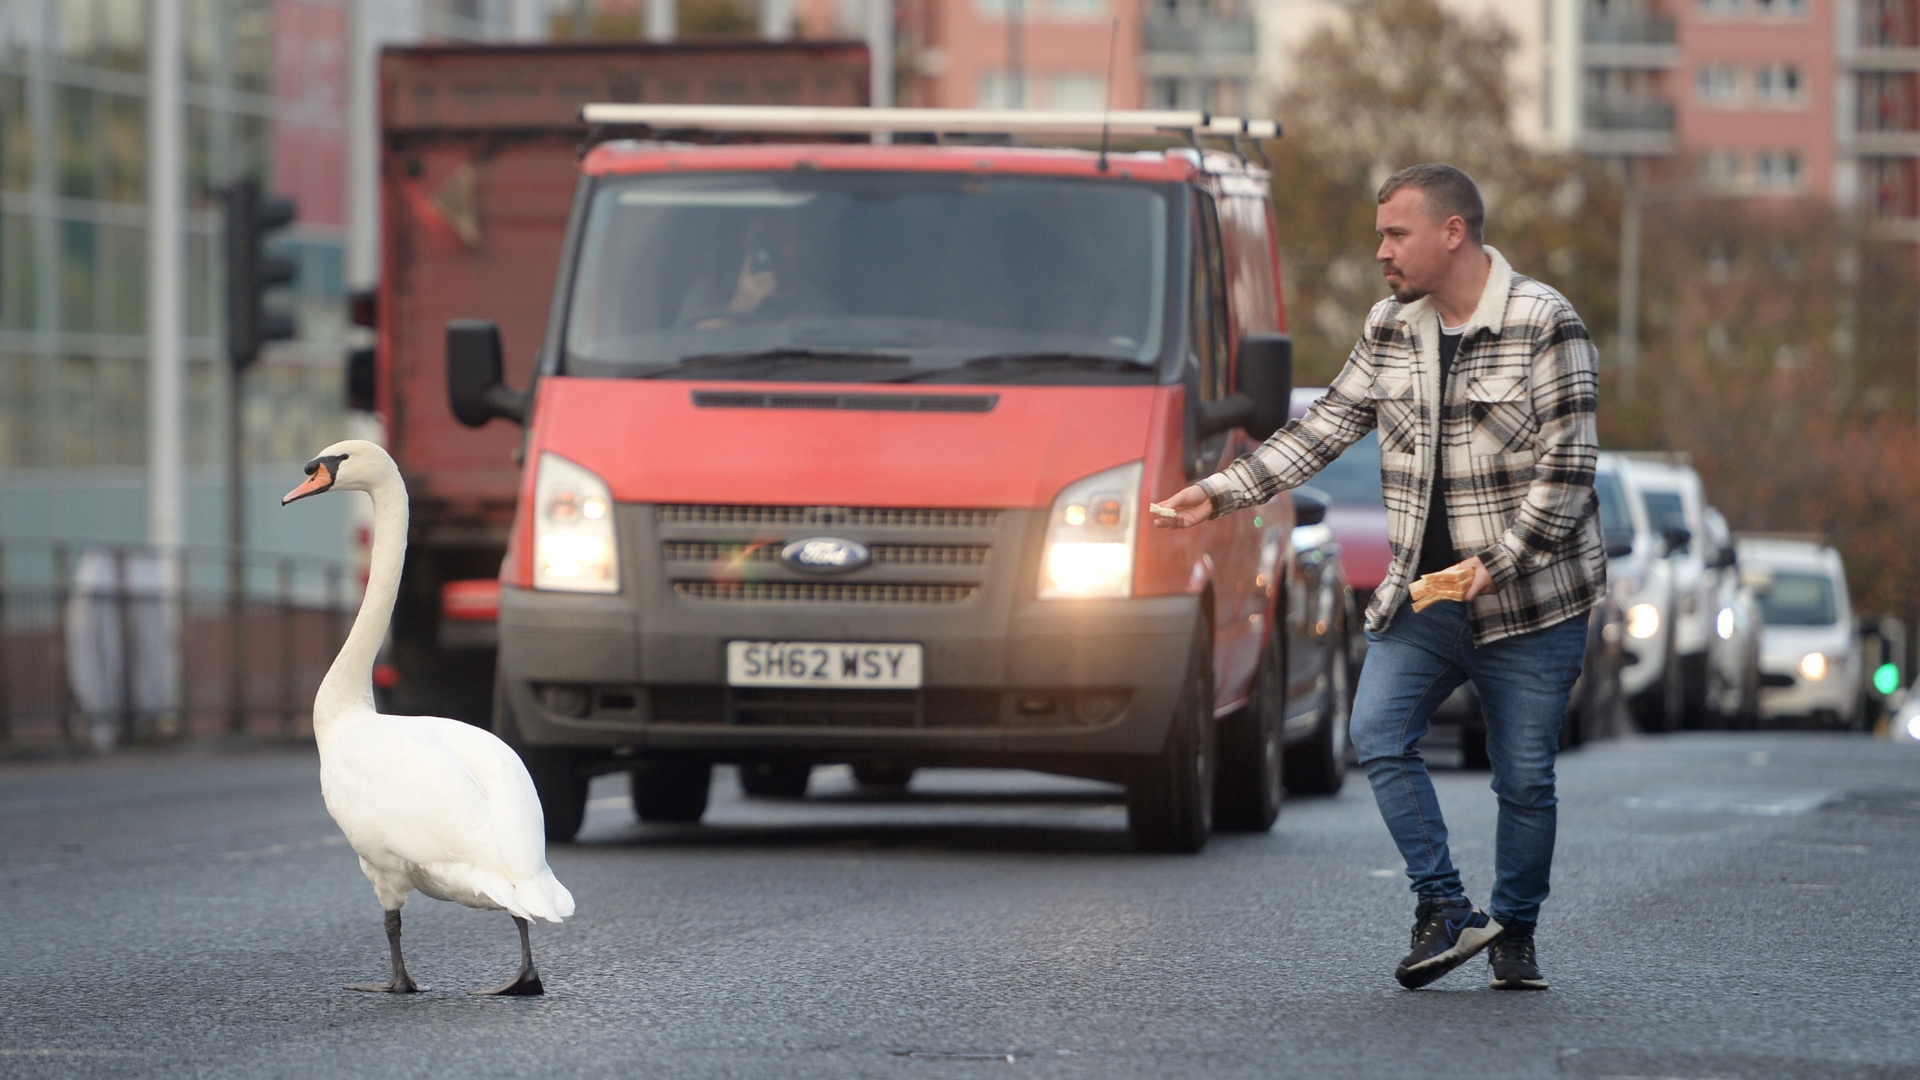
(765, 284)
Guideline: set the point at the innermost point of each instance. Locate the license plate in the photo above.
(880, 665)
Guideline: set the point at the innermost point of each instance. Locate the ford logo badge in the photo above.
(826, 555)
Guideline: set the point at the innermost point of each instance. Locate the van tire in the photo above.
(557, 777)
(1319, 765)
(775, 779)
(1250, 776)
(670, 789)
(1170, 795)
(883, 776)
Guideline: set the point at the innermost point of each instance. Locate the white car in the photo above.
(1672, 493)
(1810, 661)
(1641, 579)
(1733, 655)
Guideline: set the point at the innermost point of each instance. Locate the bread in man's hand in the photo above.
(1449, 584)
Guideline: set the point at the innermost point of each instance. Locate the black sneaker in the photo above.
(1443, 939)
(1512, 960)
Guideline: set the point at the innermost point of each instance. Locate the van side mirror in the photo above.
(1678, 538)
(1309, 506)
(1618, 548)
(475, 372)
(1264, 373)
(1724, 557)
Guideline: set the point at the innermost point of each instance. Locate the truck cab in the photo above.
(842, 452)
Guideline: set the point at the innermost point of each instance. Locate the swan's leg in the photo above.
(402, 982)
(527, 982)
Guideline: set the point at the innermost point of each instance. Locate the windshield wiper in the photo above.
(700, 360)
(1033, 359)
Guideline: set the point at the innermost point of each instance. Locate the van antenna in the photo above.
(1106, 115)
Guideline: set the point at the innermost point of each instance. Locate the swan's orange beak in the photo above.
(319, 479)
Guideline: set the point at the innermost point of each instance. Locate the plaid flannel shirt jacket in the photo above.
(1517, 431)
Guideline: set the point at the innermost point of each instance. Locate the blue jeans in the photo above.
(1524, 682)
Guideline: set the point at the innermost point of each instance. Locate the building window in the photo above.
(1077, 9)
(1720, 170)
(1719, 9)
(1778, 84)
(999, 90)
(1777, 170)
(1077, 91)
(1171, 94)
(1718, 85)
(1781, 9)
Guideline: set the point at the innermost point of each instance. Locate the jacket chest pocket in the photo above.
(1502, 414)
(1392, 397)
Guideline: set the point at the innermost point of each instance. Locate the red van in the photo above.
(841, 452)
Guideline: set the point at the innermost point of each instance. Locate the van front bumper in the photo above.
(1039, 683)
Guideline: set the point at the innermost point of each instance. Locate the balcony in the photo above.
(1630, 41)
(1632, 126)
(1215, 43)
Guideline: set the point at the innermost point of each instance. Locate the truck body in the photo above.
(843, 453)
(479, 162)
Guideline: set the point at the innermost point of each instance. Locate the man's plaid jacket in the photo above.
(1517, 429)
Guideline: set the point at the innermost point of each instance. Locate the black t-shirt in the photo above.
(1436, 547)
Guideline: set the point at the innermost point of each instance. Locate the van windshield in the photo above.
(1799, 600)
(881, 276)
(1666, 510)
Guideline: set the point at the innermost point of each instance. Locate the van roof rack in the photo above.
(1191, 125)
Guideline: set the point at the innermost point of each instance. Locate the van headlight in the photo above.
(573, 543)
(1643, 621)
(1814, 666)
(1090, 530)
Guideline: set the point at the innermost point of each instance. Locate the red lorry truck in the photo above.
(479, 164)
(842, 452)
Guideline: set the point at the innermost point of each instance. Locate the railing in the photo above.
(1630, 115)
(1630, 30)
(101, 645)
(1190, 34)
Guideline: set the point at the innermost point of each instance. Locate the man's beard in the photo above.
(1404, 293)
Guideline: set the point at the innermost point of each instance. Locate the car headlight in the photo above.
(1090, 532)
(573, 542)
(1913, 727)
(1643, 621)
(1723, 624)
(1814, 666)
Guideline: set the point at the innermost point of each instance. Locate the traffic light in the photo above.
(251, 216)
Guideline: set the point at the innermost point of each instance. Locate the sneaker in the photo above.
(1444, 937)
(1512, 960)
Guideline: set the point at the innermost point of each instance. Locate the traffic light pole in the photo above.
(236, 554)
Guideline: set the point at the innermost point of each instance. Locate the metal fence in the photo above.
(102, 645)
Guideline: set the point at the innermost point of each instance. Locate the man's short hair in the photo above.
(1449, 192)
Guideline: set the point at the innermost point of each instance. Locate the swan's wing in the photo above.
(398, 793)
(516, 822)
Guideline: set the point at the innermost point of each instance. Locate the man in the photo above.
(1483, 384)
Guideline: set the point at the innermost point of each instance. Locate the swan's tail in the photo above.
(539, 897)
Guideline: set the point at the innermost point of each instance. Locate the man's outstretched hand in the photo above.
(1190, 506)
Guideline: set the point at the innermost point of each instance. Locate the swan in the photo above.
(427, 803)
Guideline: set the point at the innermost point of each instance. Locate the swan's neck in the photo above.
(349, 683)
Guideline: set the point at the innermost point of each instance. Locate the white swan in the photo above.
(426, 802)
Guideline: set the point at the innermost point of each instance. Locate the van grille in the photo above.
(883, 554)
(823, 592)
(876, 517)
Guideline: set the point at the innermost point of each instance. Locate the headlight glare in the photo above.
(1814, 666)
(573, 539)
(1723, 624)
(1643, 621)
(1090, 534)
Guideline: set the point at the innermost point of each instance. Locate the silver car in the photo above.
(1810, 661)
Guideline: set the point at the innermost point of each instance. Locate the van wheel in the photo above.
(1170, 795)
(1319, 766)
(1250, 778)
(775, 779)
(670, 789)
(557, 778)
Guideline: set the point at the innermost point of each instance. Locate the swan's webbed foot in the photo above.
(525, 983)
(401, 983)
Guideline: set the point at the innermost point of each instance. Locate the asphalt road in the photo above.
(1725, 906)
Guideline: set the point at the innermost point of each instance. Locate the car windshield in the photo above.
(1616, 520)
(1666, 510)
(870, 276)
(1354, 477)
(1799, 600)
